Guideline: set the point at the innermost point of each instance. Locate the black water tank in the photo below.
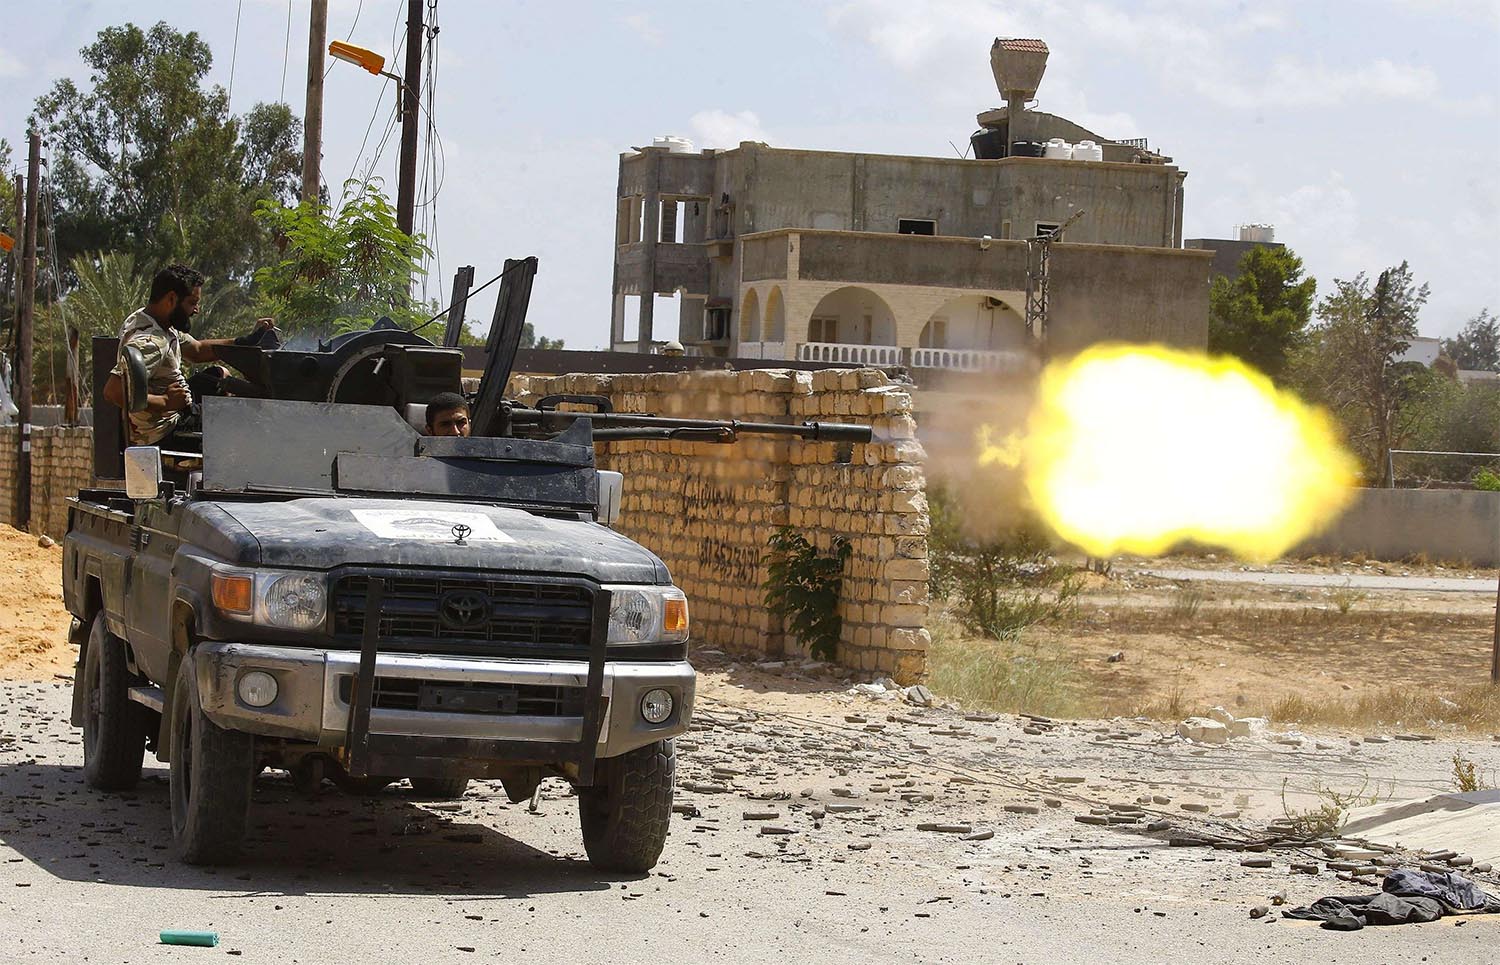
(1026, 149)
(988, 145)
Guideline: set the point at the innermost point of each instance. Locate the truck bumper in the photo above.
(529, 701)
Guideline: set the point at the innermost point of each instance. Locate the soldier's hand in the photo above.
(178, 397)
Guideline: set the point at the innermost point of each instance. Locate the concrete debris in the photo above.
(918, 696)
(1117, 657)
(46, 542)
(1202, 730)
(1221, 715)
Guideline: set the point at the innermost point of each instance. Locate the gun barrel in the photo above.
(616, 425)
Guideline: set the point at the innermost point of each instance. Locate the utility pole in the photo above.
(411, 105)
(23, 335)
(312, 120)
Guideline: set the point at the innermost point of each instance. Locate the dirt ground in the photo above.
(33, 623)
(1245, 647)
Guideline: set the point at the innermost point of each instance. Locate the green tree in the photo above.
(146, 159)
(339, 270)
(1477, 345)
(529, 339)
(1446, 415)
(1260, 316)
(1351, 364)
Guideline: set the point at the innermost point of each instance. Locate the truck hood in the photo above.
(323, 532)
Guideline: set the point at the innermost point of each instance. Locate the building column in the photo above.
(649, 232)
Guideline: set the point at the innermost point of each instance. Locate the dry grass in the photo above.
(1474, 708)
(1251, 622)
(1002, 676)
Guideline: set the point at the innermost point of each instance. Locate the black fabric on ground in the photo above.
(1353, 912)
(1453, 890)
(1408, 897)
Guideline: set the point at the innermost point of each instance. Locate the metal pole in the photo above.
(70, 403)
(411, 91)
(312, 121)
(23, 335)
(1495, 651)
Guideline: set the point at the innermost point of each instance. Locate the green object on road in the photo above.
(207, 939)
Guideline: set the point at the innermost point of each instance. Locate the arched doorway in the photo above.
(851, 324)
(974, 332)
(750, 317)
(775, 316)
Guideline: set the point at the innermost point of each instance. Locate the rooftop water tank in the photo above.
(1058, 150)
(1258, 232)
(1088, 151)
(1025, 149)
(675, 145)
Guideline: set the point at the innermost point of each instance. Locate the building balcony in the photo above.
(973, 360)
(843, 352)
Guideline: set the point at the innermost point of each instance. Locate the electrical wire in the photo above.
(472, 293)
(286, 50)
(357, 11)
(234, 54)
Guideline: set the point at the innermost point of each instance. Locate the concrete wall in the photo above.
(708, 510)
(1227, 252)
(1106, 293)
(1393, 524)
(62, 462)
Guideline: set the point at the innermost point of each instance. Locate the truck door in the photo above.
(148, 607)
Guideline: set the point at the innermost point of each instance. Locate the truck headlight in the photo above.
(647, 614)
(286, 599)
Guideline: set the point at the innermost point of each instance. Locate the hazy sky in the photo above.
(1366, 131)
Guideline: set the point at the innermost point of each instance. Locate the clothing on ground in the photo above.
(1408, 897)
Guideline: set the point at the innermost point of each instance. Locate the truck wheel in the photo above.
(212, 773)
(440, 788)
(114, 726)
(625, 816)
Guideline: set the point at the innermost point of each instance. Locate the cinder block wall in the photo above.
(709, 510)
(62, 462)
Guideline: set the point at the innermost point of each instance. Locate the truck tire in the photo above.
(212, 773)
(625, 815)
(440, 788)
(114, 726)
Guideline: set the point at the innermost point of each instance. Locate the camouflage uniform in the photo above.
(161, 348)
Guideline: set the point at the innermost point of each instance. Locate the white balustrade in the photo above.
(971, 360)
(850, 354)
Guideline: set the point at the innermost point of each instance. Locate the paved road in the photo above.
(86, 877)
(1358, 581)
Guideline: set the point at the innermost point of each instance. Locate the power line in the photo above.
(357, 11)
(234, 54)
(286, 51)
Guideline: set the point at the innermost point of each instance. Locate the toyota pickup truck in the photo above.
(326, 591)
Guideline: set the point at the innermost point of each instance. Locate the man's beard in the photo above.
(180, 319)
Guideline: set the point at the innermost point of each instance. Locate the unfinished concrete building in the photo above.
(918, 261)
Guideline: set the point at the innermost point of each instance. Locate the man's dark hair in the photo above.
(445, 402)
(175, 278)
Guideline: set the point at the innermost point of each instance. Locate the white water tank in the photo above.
(1087, 151)
(675, 145)
(1058, 150)
(1257, 232)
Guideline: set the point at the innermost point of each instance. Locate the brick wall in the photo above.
(708, 510)
(62, 462)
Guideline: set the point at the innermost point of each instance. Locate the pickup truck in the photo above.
(326, 591)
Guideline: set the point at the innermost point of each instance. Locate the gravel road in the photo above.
(812, 827)
(1357, 581)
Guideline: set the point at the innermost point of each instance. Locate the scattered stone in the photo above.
(1415, 737)
(1194, 807)
(1155, 826)
(1255, 862)
(1202, 730)
(983, 835)
(918, 696)
(1160, 799)
(1023, 809)
(46, 542)
(1033, 731)
(1306, 869)
(1376, 739)
(1117, 657)
(1068, 779)
(1091, 819)
(859, 846)
(1221, 715)
(844, 808)
(945, 828)
(1290, 740)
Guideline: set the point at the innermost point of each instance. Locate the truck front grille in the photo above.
(439, 696)
(470, 615)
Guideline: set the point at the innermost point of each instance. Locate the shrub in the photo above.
(802, 587)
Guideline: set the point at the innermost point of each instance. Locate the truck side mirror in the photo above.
(137, 379)
(611, 489)
(143, 472)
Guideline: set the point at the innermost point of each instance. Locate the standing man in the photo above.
(160, 331)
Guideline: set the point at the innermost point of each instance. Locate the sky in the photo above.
(1366, 131)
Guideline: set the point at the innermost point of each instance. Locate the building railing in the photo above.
(855, 354)
(970, 360)
(762, 350)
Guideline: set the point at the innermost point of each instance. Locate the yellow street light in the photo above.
(358, 56)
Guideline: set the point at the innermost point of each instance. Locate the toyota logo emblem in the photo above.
(464, 609)
(461, 533)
